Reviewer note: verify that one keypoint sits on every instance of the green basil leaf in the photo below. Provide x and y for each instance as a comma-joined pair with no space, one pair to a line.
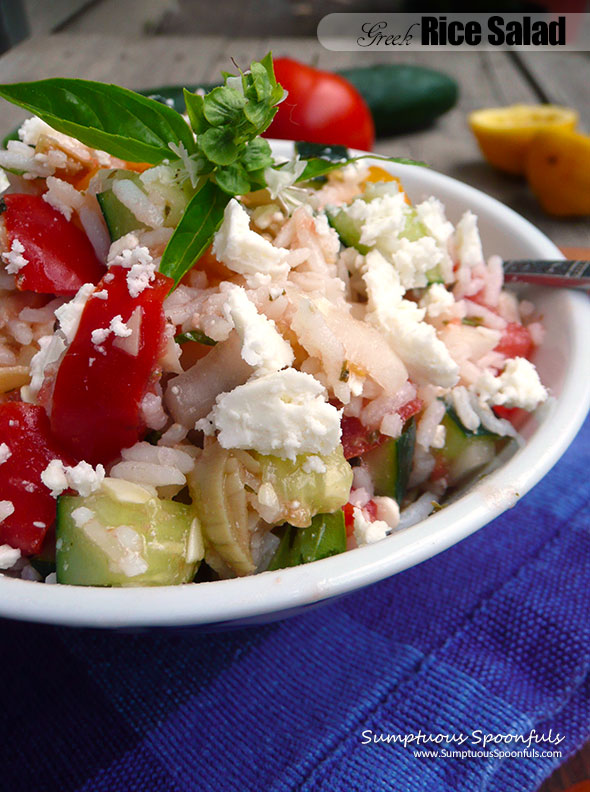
318,167
261,82
233,179
195,335
259,114
223,106
218,145
107,117
194,108
257,155
193,235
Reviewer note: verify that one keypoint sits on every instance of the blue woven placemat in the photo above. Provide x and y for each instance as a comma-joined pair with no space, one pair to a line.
491,637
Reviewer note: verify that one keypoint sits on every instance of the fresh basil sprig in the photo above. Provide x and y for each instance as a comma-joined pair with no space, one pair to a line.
105,117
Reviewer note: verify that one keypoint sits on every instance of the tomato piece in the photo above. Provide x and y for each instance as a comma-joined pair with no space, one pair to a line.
98,388
410,408
357,439
516,341
370,508
59,255
516,415
321,107
25,429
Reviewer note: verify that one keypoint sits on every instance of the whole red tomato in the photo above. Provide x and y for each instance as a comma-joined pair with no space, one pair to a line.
321,108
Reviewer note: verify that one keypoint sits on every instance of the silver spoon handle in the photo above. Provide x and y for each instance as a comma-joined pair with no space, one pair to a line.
559,273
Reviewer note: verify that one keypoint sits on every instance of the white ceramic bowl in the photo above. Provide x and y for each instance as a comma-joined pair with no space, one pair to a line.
564,365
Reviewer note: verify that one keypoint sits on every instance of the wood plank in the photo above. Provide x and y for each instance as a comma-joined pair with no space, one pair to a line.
564,77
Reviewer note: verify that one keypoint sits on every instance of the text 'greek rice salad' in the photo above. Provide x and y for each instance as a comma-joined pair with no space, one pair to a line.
213,363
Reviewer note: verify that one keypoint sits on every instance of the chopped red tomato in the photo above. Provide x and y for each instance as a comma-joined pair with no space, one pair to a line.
516,341
516,415
370,508
59,255
410,408
357,439
24,428
99,385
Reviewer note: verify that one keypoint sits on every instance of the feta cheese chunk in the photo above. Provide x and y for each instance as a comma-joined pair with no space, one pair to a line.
127,252
401,321
83,478
367,532
69,314
51,348
245,251
517,386
283,413
263,347
14,259
468,242
6,509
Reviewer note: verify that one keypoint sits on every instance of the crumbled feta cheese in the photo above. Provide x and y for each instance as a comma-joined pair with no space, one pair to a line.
8,556
401,321
39,524
69,314
83,478
101,295
314,464
14,258
63,197
367,531
517,386
283,413
32,129
127,252
117,326
6,509
438,302
263,347
382,218
5,453
245,251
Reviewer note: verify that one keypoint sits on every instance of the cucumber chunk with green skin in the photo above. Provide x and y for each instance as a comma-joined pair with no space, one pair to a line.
119,219
390,464
306,491
348,230
465,451
403,97
104,541
326,536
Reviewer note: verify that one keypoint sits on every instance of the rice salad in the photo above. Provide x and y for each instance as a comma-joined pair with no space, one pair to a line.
332,364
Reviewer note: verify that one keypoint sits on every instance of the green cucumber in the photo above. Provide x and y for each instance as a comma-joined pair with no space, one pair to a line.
347,229
126,537
119,219
326,536
390,464
465,451
403,97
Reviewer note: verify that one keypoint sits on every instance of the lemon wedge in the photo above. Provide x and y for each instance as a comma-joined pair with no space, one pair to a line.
558,171
504,134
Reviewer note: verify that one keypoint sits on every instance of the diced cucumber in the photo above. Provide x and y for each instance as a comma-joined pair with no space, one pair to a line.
119,219
465,451
326,536
390,464
108,539
307,491
348,230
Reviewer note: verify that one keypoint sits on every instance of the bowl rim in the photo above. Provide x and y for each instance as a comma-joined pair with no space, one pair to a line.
269,595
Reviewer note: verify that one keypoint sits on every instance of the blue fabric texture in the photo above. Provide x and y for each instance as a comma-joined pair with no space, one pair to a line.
492,637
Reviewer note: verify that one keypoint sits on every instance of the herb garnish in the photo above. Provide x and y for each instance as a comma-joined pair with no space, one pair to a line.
220,150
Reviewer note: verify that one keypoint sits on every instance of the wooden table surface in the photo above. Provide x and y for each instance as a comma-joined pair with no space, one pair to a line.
486,79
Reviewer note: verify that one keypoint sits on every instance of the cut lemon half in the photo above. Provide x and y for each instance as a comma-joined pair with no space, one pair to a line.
558,171
504,134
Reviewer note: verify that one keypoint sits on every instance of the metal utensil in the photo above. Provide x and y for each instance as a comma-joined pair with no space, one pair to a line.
559,273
